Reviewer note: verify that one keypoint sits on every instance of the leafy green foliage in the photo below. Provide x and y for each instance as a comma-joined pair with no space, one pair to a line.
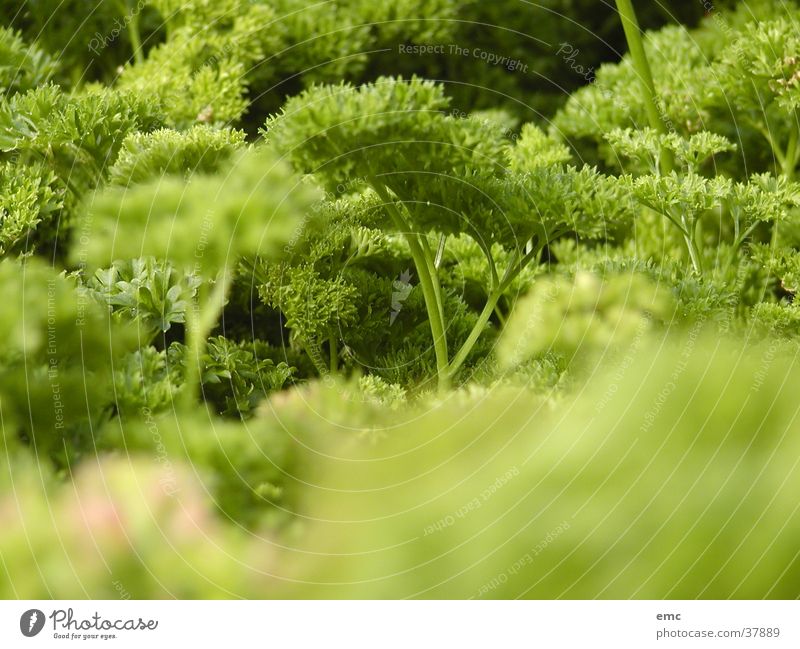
535,149
141,520
381,131
646,145
56,356
313,306
25,201
77,135
619,466
208,79
90,40
236,378
587,316
147,291
202,79
148,156
385,329
23,67
60,147
730,76
783,264
203,223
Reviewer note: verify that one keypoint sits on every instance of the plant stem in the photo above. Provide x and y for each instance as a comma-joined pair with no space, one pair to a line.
477,330
494,280
790,158
132,18
787,161
199,324
739,239
434,274
312,350
440,252
514,268
633,36
694,254
500,315
773,241
428,282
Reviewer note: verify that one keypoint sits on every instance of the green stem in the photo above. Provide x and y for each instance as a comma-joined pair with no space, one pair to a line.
477,330
312,350
665,213
738,240
633,35
199,324
493,279
790,158
694,255
514,268
690,237
773,242
428,282
500,315
437,262
132,18
430,260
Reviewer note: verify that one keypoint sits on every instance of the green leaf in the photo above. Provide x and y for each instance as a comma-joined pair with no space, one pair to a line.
203,224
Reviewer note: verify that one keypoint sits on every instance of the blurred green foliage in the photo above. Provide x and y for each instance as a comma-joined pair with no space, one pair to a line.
300,301
665,478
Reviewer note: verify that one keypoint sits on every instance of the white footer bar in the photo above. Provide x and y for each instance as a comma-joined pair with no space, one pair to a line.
406,624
